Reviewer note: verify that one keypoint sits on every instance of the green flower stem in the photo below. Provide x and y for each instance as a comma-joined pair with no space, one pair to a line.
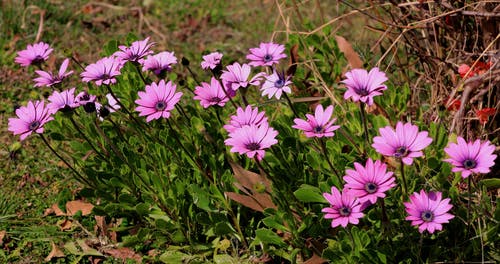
122,158
349,138
365,124
402,167
78,175
227,95
124,108
77,62
243,92
176,138
192,75
325,152
85,137
291,105
136,66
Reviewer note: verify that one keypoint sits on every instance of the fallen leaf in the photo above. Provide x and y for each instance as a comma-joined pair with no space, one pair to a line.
65,224
315,259
349,53
2,235
245,200
54,209
54,253
72,207
124,254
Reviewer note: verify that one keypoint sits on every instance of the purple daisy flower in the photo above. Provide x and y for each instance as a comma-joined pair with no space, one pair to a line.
157,100
211,94
238,75
369,182
159,63
319,125
252,140
275,84
33,54
48,79
405,143
344,208
136,52
470,157
64,101
428,211
266,54
249,116
103,71
211,60
30,118
363,86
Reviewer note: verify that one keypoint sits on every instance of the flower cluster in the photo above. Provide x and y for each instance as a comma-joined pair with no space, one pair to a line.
249,133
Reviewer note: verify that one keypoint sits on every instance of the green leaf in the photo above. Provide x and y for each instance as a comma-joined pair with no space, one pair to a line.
309,194
269,237
491,183
173,257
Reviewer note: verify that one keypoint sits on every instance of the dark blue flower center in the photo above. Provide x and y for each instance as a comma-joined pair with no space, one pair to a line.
268,58
345,211
319,129
427,216
370,187
469,164
252,146
215,99
104,76
38,59
279,83
160,106
363,91
85,97
34,125
401,152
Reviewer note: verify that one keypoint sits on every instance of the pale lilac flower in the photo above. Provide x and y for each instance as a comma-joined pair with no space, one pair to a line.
48,79
237,76
64,101
470,157
405,143
369,182
249,116
30,118
344,208
252,140
428,211
159,63
103,71
275,84
211,94
363,86
111,107
319,125
157,100
136,52
33,54
211,60
266,54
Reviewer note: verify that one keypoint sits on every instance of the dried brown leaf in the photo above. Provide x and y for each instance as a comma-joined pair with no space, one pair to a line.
124,254
247,178
315,259
2,235
294,58
54,253
245,200
72,207
54,209
65,224
351,55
